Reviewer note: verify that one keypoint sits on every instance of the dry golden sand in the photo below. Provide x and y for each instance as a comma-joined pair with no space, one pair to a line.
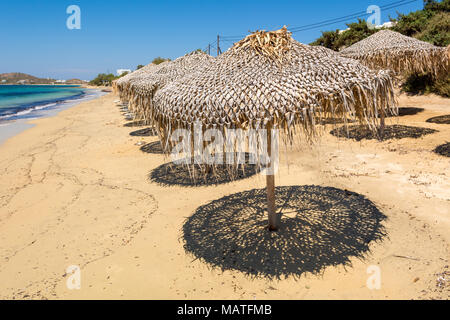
74,190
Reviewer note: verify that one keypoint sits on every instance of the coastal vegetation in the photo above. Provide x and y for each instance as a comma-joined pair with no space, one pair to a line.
339,39
103,79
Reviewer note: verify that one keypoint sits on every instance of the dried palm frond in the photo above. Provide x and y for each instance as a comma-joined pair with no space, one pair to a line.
387,49
273,44
122,85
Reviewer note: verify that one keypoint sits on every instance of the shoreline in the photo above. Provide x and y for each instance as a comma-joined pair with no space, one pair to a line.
44,109
76,191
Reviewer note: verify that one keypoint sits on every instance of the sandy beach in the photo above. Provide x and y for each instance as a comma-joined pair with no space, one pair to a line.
75,190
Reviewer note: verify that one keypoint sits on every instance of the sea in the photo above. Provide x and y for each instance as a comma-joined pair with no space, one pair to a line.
21,103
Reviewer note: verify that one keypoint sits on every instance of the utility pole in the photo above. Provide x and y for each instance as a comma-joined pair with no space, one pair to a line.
218,46
209,48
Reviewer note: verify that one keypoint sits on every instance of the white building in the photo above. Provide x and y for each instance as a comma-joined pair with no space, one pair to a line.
388,24
122,71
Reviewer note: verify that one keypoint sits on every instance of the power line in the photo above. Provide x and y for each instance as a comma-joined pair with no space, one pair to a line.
343,19
321,24
332,21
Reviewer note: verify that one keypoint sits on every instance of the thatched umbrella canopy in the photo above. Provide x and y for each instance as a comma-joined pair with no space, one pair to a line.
388,49
141,90
270,81
121,85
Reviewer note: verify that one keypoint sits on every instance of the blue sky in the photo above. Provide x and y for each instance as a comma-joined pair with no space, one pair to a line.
122,34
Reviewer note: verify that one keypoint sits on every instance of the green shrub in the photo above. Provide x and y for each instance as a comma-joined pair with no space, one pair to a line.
328,40
336,40
432,24
105,79
425,83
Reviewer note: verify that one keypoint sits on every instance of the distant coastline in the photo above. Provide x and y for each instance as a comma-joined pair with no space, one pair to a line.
19,78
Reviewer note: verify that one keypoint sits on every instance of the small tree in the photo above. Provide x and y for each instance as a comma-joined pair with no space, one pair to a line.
103,79
336,40
328,40
357,31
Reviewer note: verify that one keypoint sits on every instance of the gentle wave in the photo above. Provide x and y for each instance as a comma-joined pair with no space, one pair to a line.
27,111
18,112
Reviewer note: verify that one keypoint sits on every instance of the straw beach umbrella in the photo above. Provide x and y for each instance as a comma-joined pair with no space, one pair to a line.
142,89
270,81
122,85
388,49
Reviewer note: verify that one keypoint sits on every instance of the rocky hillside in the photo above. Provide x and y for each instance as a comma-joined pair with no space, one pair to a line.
17,77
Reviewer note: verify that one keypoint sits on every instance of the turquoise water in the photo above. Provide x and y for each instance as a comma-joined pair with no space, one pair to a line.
18,101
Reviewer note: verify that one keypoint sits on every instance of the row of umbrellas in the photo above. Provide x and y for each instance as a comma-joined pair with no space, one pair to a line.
268,80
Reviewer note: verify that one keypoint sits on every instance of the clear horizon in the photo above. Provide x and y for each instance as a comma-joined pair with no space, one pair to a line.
122,35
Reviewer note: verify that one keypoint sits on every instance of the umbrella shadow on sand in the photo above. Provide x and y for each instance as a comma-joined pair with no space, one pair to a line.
406,111
320,227
170,174
146,132
138,123
395,131
443,150
152,147
440,119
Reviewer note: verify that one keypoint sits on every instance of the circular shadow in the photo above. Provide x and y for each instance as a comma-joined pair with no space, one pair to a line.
153,147
443,150
406,111
193,175
440,120
395,131
403,111
320,227
147,132
140,123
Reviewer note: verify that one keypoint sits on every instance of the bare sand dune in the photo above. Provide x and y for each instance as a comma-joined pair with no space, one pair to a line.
75,190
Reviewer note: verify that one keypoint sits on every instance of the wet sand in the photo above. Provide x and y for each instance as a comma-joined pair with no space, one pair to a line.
75,190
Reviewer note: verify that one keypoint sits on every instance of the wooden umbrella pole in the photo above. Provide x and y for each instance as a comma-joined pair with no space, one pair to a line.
270,186
382,124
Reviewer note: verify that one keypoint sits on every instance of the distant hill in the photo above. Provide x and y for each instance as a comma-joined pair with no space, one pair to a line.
17,77
75,81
